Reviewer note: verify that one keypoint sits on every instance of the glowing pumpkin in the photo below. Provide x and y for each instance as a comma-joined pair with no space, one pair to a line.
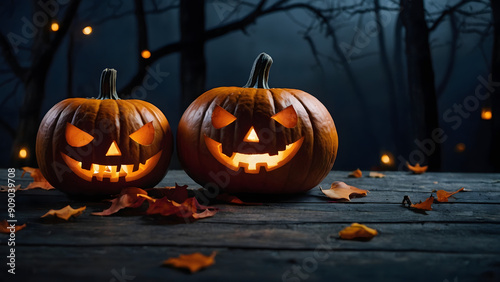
101,145
254,139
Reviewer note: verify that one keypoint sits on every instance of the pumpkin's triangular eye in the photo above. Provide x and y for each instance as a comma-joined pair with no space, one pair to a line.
144,135
287,117
221,117
77,137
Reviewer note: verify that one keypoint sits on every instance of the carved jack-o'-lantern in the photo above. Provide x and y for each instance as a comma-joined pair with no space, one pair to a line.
100,146
256,139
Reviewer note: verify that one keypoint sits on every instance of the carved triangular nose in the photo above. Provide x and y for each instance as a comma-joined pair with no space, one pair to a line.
251,136
113,150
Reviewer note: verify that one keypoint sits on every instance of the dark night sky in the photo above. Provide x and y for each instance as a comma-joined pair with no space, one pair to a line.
229,59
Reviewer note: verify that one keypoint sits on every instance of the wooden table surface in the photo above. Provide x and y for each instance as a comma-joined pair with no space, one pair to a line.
293,238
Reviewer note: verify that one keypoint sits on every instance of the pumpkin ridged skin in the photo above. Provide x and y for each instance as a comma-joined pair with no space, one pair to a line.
107,120
254,107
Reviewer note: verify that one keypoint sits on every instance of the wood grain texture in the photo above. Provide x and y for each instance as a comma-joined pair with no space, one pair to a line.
292,238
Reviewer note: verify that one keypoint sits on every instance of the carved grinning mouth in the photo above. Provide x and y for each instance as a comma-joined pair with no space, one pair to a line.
111,172
253,162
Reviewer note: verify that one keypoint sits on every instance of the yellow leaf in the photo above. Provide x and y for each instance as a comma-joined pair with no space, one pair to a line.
65,213
356,174
341,191
376,174
442,195
358,232
417,169
193,262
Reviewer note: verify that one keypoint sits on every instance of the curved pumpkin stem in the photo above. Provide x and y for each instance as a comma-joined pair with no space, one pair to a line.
260,72
108,85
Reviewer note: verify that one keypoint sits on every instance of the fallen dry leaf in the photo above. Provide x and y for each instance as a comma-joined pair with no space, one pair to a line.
175,193
226,198
442,195
373,174
190,208
38,180
16,188
65,213
341,191
417,169
4,227
358,232
356,173
128,198
193,262
425,205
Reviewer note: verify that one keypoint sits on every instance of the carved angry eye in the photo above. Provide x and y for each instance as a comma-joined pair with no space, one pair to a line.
287,117
144,135
221,117
77,137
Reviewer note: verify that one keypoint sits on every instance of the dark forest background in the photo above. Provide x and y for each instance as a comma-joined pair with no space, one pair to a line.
411,79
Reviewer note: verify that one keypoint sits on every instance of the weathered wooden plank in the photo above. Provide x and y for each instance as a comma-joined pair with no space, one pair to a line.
31,208
102,263
133,231
394,181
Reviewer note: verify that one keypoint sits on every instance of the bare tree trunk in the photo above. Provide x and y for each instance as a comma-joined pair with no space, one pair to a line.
33,78
390,83
421,81
193,65
401,89
495,95
451,56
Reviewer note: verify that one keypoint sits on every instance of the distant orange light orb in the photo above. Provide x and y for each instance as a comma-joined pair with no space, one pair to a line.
385,159
23,153
460,148
54,26
87,30
146,54
486,114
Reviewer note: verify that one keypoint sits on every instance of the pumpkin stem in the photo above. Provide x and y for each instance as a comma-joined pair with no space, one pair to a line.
260,72
108,85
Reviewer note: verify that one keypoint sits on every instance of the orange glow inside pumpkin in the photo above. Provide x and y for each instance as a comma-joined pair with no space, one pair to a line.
253,162
112,172
113,150
144,135
221,117
251,136
287,117
78,138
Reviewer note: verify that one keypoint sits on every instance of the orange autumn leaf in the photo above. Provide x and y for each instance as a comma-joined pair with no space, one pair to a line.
38,180
358,232
356,173
341,191
425,205
5,227
442,195
65,213
128,198
175,193
190,208
373,174
192,262
4,188
226,198
417,169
